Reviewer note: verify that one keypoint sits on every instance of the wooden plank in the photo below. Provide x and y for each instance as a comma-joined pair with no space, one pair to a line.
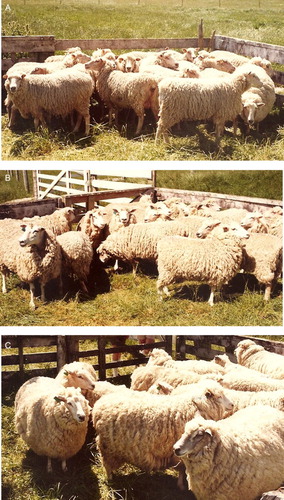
224,200
29,358
101,195
108,170
58,177
44,43
278,77
105,184
274,53
130,44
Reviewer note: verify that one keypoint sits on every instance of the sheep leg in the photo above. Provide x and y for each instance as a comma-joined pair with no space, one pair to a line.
42,292
84,287
32,292
161,131
87,124
49,465
162,289
267,292
211,298
140,124
78,123
64,466
4,288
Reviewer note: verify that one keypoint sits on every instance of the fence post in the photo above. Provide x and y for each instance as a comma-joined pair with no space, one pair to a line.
21,358
102,357
200,35
72,349
169,344
35,184
26,180
61,351
180,347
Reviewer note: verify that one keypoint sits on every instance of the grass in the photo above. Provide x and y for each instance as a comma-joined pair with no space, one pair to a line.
144,19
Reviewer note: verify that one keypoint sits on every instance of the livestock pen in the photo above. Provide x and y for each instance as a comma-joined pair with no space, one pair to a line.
111,144
23,473
119,299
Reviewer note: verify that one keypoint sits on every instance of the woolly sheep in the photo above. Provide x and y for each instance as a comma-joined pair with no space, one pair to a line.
164,59
139,241
58,222
254,356
145,377
35,255
254,381
160,357
258,222
92,224
61,57
77,255
120,90
51,419
214,261
58,93
242,399
236,458
122,423
218,100
102,388
77,374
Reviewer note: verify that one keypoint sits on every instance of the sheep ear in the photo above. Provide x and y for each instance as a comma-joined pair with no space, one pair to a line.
208,431
23,227
260,104
115,211
5,77
226,229
66,373
60,399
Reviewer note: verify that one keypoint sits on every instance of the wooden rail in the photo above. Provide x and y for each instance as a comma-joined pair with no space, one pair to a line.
67,349
37,48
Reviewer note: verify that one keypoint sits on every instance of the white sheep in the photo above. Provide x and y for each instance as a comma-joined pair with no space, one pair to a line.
160,357
139,241
122,423
34,255
145,377
254,381
78,374
58,93
51,419
121,90
59,222
237,458
163,58
214,261
242,399
92,224
102,388
217,100
254,356
77,255
258,101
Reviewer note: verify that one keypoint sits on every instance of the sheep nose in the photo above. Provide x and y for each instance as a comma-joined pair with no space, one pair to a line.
92,386
176,65
81,418
177,450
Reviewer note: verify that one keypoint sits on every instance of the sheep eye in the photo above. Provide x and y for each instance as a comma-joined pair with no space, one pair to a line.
208,394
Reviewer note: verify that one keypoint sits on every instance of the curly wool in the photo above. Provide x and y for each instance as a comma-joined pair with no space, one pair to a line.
214,261
122,423
58,93
46,425
242,399
59,221
218,100
242,458
144,377
77,253
255,356
161,358
255,381
139,241
77,374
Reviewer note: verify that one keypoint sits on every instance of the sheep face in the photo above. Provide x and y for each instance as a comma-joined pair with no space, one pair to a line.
211,401
13,82
33,235
123,215
98,220
104,255
73,404
80,378
250,110
195,439
166,59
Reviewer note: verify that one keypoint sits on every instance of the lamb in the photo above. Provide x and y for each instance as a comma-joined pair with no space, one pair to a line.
77,255
121,91
145,377
218,100
214,261
139,241
254,356
58,222
58,93
51,419
237,458
35,255
121,423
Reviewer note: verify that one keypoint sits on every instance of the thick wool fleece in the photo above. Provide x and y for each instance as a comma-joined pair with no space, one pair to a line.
46,425
142,430
243,457
214,261
255,356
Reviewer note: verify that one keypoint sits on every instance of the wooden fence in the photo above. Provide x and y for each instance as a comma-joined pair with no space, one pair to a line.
37,48
17,366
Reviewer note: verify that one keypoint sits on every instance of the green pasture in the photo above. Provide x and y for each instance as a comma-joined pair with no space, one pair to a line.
262,21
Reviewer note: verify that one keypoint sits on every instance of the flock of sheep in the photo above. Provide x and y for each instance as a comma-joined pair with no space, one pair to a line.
187,242
215,86
221,424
